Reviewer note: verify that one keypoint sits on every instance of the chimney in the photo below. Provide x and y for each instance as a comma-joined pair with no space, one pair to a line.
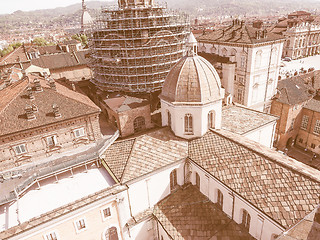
29,113
52,84
257,24
24,74
56,110
37,85
7,80
30,93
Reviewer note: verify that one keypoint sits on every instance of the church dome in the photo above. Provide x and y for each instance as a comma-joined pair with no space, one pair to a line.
192,80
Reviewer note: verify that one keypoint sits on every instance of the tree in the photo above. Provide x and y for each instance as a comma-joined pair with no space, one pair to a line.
39,41
10,48
81,38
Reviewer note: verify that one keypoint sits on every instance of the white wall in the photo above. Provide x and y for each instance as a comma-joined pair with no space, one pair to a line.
199,115
263,135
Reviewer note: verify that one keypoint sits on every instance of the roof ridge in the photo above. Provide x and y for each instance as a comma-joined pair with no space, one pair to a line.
125,170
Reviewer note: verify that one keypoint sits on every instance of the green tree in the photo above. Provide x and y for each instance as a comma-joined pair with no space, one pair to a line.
81,38
10,48
39,41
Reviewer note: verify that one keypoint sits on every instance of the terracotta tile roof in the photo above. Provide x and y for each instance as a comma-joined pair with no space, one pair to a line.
313,105
14,100
49,50
294,90
61,60
188,214
149,152
283,188
117,156
282,193
238,33
242,120
18,53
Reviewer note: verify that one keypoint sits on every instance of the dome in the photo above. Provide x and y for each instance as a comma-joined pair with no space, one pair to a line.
192,80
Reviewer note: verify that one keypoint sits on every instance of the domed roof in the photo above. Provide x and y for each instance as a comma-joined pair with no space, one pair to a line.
193,79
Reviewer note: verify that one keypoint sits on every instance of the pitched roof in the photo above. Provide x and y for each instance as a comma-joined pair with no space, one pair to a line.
12,57
145,154
281,192
14,100
238,33
242,120
283,188
294,90
61,60
188,214
314,105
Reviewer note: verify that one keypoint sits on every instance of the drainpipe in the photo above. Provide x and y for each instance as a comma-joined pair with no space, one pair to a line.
309,130
266,91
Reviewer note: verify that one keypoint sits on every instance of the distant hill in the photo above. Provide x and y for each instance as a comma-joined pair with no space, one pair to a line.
70,15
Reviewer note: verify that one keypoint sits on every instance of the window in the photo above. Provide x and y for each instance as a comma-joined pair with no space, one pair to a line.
317,127
51,141
80,225
211,119
220,199
169,119
304,122
173,179
197,180
313,145
243,62
20,149
292,124
106,213
241,81
188,129
51,236
240,96
139,124
300,140
111,234
246,218
79,132
258,59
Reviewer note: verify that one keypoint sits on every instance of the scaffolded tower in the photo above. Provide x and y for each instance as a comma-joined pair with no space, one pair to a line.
135,46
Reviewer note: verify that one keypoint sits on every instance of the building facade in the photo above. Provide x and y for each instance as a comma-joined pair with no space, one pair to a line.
251,62
40,117
302,33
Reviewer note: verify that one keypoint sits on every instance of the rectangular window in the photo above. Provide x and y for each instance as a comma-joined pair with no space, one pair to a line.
240,96
80,225
20,149
300,140
106,213
242,81
304,122
52,141
243,62
317,127
313,145
51,236
79,132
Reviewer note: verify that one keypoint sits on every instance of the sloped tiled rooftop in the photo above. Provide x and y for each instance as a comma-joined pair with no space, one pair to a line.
188,214
242,120
283,188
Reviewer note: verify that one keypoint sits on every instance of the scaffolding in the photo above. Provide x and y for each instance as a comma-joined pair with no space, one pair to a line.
135,45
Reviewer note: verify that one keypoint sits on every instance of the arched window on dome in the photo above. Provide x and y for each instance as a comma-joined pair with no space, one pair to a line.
111,234
224,52
211,119
169,119
188,124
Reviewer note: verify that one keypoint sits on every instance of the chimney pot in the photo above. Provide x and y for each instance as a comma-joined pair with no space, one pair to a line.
30,113
37,85
52,84
30,93
56,111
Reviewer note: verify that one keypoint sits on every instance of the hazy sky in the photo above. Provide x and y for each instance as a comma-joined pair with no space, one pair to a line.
9,6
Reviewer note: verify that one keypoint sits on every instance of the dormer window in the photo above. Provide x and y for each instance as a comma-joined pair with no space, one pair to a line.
188,124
